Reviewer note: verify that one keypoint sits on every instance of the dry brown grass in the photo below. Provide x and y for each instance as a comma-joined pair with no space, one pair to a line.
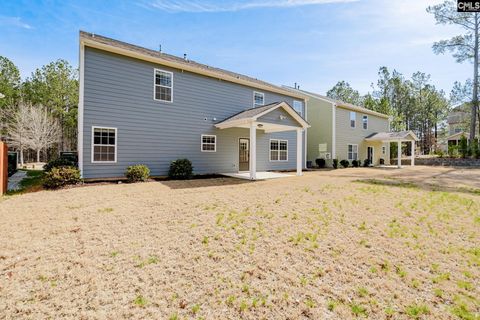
322,246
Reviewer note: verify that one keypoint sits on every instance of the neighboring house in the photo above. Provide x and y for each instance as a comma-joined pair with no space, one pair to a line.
344,131
140,106
458,124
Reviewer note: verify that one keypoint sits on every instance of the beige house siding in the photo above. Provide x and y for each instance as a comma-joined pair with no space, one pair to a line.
319,115
346,135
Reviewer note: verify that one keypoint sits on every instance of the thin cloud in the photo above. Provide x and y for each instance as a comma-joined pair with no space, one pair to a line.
229,6
14,22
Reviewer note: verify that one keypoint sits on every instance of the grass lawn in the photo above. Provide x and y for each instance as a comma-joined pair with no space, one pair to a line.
344,244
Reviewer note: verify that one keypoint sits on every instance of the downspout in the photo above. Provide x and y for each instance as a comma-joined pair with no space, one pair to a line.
334,131
81,88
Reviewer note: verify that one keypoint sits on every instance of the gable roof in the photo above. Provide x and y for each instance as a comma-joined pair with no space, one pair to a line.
119,47
392,136
340,104
254,113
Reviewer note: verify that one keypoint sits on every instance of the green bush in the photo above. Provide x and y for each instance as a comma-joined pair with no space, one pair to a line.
138,172
180,169
366,163
60,177
57,163
356,163
463,147
345,163
453,151
335,163
474,149
320,162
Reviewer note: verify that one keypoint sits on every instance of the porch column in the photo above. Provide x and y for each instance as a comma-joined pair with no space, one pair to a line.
399,153
253,151
299,151
412,159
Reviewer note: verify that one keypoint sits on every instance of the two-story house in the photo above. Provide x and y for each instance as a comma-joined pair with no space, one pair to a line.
345,131
141,106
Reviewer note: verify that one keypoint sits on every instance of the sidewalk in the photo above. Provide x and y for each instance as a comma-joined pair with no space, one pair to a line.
14,181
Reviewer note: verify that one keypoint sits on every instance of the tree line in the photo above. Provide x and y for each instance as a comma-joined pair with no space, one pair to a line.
39,113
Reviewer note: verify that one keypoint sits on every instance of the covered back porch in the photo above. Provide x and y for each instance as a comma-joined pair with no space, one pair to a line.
272,118
399,138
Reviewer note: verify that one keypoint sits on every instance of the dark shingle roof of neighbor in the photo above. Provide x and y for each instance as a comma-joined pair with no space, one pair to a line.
168,57
249,113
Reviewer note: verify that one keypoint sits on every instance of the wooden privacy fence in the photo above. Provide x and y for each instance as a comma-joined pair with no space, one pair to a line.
3,167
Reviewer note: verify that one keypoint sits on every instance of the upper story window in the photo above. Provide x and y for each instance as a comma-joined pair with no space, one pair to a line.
209,143
298,106
104,145
353,119
258,99
365,122
458,130
163,85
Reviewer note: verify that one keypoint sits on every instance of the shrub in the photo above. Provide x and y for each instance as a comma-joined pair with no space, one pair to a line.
356,163
57,163
474,149
453,151
138,172
320,162
463,147
366,163
60,177
345,163
180,169
382,161
335,163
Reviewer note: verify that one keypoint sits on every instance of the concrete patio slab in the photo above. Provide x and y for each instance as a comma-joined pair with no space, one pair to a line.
263,175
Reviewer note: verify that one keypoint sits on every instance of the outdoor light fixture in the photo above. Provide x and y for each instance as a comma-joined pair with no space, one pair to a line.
260,125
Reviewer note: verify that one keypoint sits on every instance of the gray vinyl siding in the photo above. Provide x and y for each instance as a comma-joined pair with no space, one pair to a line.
278,116
119,93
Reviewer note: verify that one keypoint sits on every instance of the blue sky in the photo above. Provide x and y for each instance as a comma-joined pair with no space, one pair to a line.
312,42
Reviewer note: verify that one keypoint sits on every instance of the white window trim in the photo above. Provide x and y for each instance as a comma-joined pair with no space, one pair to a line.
155,85
270,150
201,142
348,156
93,145
350,120
301,111
260,93
363,122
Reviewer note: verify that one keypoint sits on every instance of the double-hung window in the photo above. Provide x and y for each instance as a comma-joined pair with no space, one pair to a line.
298,106
353,119
278,150
353,152
258,99
104,145
163,85
365,122
209,143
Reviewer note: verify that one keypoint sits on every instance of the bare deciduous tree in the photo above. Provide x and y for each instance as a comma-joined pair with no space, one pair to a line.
43,130
31,127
